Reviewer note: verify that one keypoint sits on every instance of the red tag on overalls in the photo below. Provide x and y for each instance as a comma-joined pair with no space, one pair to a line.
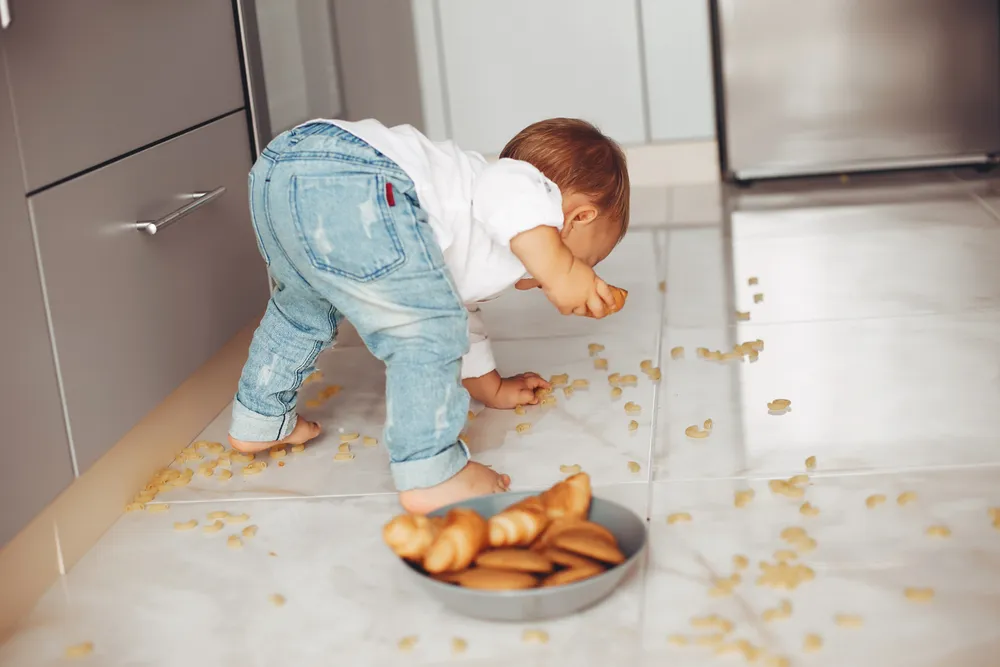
389,197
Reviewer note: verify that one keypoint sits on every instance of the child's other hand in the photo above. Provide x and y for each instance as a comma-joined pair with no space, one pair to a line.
518,390
580,292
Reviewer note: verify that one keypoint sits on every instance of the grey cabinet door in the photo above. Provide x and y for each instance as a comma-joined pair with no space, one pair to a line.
134,315
36,457
94,79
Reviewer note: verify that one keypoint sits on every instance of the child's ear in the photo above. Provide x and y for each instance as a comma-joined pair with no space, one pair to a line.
581,215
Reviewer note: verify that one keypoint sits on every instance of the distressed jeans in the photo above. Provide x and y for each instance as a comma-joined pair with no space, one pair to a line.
343,235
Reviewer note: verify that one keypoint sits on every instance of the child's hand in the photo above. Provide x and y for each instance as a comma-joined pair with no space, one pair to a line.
580,292
518,390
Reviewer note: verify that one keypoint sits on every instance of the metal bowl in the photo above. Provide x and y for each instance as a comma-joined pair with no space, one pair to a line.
535,604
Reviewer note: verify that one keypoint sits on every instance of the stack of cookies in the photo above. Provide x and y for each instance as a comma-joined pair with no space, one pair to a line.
543,540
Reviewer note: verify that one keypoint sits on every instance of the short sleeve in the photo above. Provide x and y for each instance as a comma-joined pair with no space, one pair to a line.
511,197
478,361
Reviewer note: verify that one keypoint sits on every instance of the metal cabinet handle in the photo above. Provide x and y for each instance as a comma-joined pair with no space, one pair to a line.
199,199
5,17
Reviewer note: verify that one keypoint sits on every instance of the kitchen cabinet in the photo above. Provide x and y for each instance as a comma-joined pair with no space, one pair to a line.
134,314
93,80
677,37
509,64
34,447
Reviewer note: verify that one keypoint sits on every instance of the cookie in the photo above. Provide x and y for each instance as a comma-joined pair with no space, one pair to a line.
572,575
585,544
559,526
488,579
566,558
515,560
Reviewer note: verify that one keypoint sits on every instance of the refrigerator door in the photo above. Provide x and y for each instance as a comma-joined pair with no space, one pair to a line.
849,85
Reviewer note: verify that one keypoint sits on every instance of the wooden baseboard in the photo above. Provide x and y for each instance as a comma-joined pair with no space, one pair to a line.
65,530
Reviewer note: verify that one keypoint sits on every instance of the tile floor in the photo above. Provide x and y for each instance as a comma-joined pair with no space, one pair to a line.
881,322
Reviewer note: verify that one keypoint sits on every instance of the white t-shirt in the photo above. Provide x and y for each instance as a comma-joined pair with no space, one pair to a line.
474,209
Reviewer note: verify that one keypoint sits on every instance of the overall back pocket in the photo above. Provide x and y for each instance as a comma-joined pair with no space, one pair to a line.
346,225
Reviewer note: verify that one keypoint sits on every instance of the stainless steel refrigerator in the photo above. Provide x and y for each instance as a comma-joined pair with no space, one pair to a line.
837,86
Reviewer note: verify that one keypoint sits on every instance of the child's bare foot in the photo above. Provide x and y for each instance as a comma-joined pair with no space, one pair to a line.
473,480
303,432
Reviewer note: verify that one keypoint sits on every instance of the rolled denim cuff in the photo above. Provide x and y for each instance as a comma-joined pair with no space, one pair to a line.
250,426
424,473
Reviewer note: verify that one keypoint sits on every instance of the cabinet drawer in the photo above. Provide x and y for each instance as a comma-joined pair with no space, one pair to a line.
96,79
132,314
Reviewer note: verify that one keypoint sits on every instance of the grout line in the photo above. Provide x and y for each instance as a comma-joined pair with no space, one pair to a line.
968,187
837,320
647,115
443,71
660,254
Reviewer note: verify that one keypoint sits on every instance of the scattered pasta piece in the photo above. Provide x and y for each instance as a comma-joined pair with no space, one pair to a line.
919,594
79,650
535,637
849,620
213,527
549,400
135,507
185,525
743,315
281,464
234,542
218,514
595,348
276,599
785,555
580,383
632,408
250,531
523,428
654,374
679,517
158,508
905,498
616,392
752,281
811,463
743,498
939,531
348,437
298,449
808,509
646,364
695,432
369,441
812,642
633,466
758,298
782,487
741,562
569,469
677,353
458,645
779,404
254,468
343,456
601,364
241,457
568,391
519,410
278,453
406,644
662,286
708,425
559,380
678,640
784,575
344,447
874,500
778,661
710,640
615,379
712,621
752,355
224,474
237,518
633,425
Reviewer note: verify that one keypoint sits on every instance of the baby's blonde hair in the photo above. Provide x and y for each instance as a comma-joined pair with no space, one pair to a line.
577,157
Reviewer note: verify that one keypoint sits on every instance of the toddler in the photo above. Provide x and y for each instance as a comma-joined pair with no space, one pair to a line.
404,237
